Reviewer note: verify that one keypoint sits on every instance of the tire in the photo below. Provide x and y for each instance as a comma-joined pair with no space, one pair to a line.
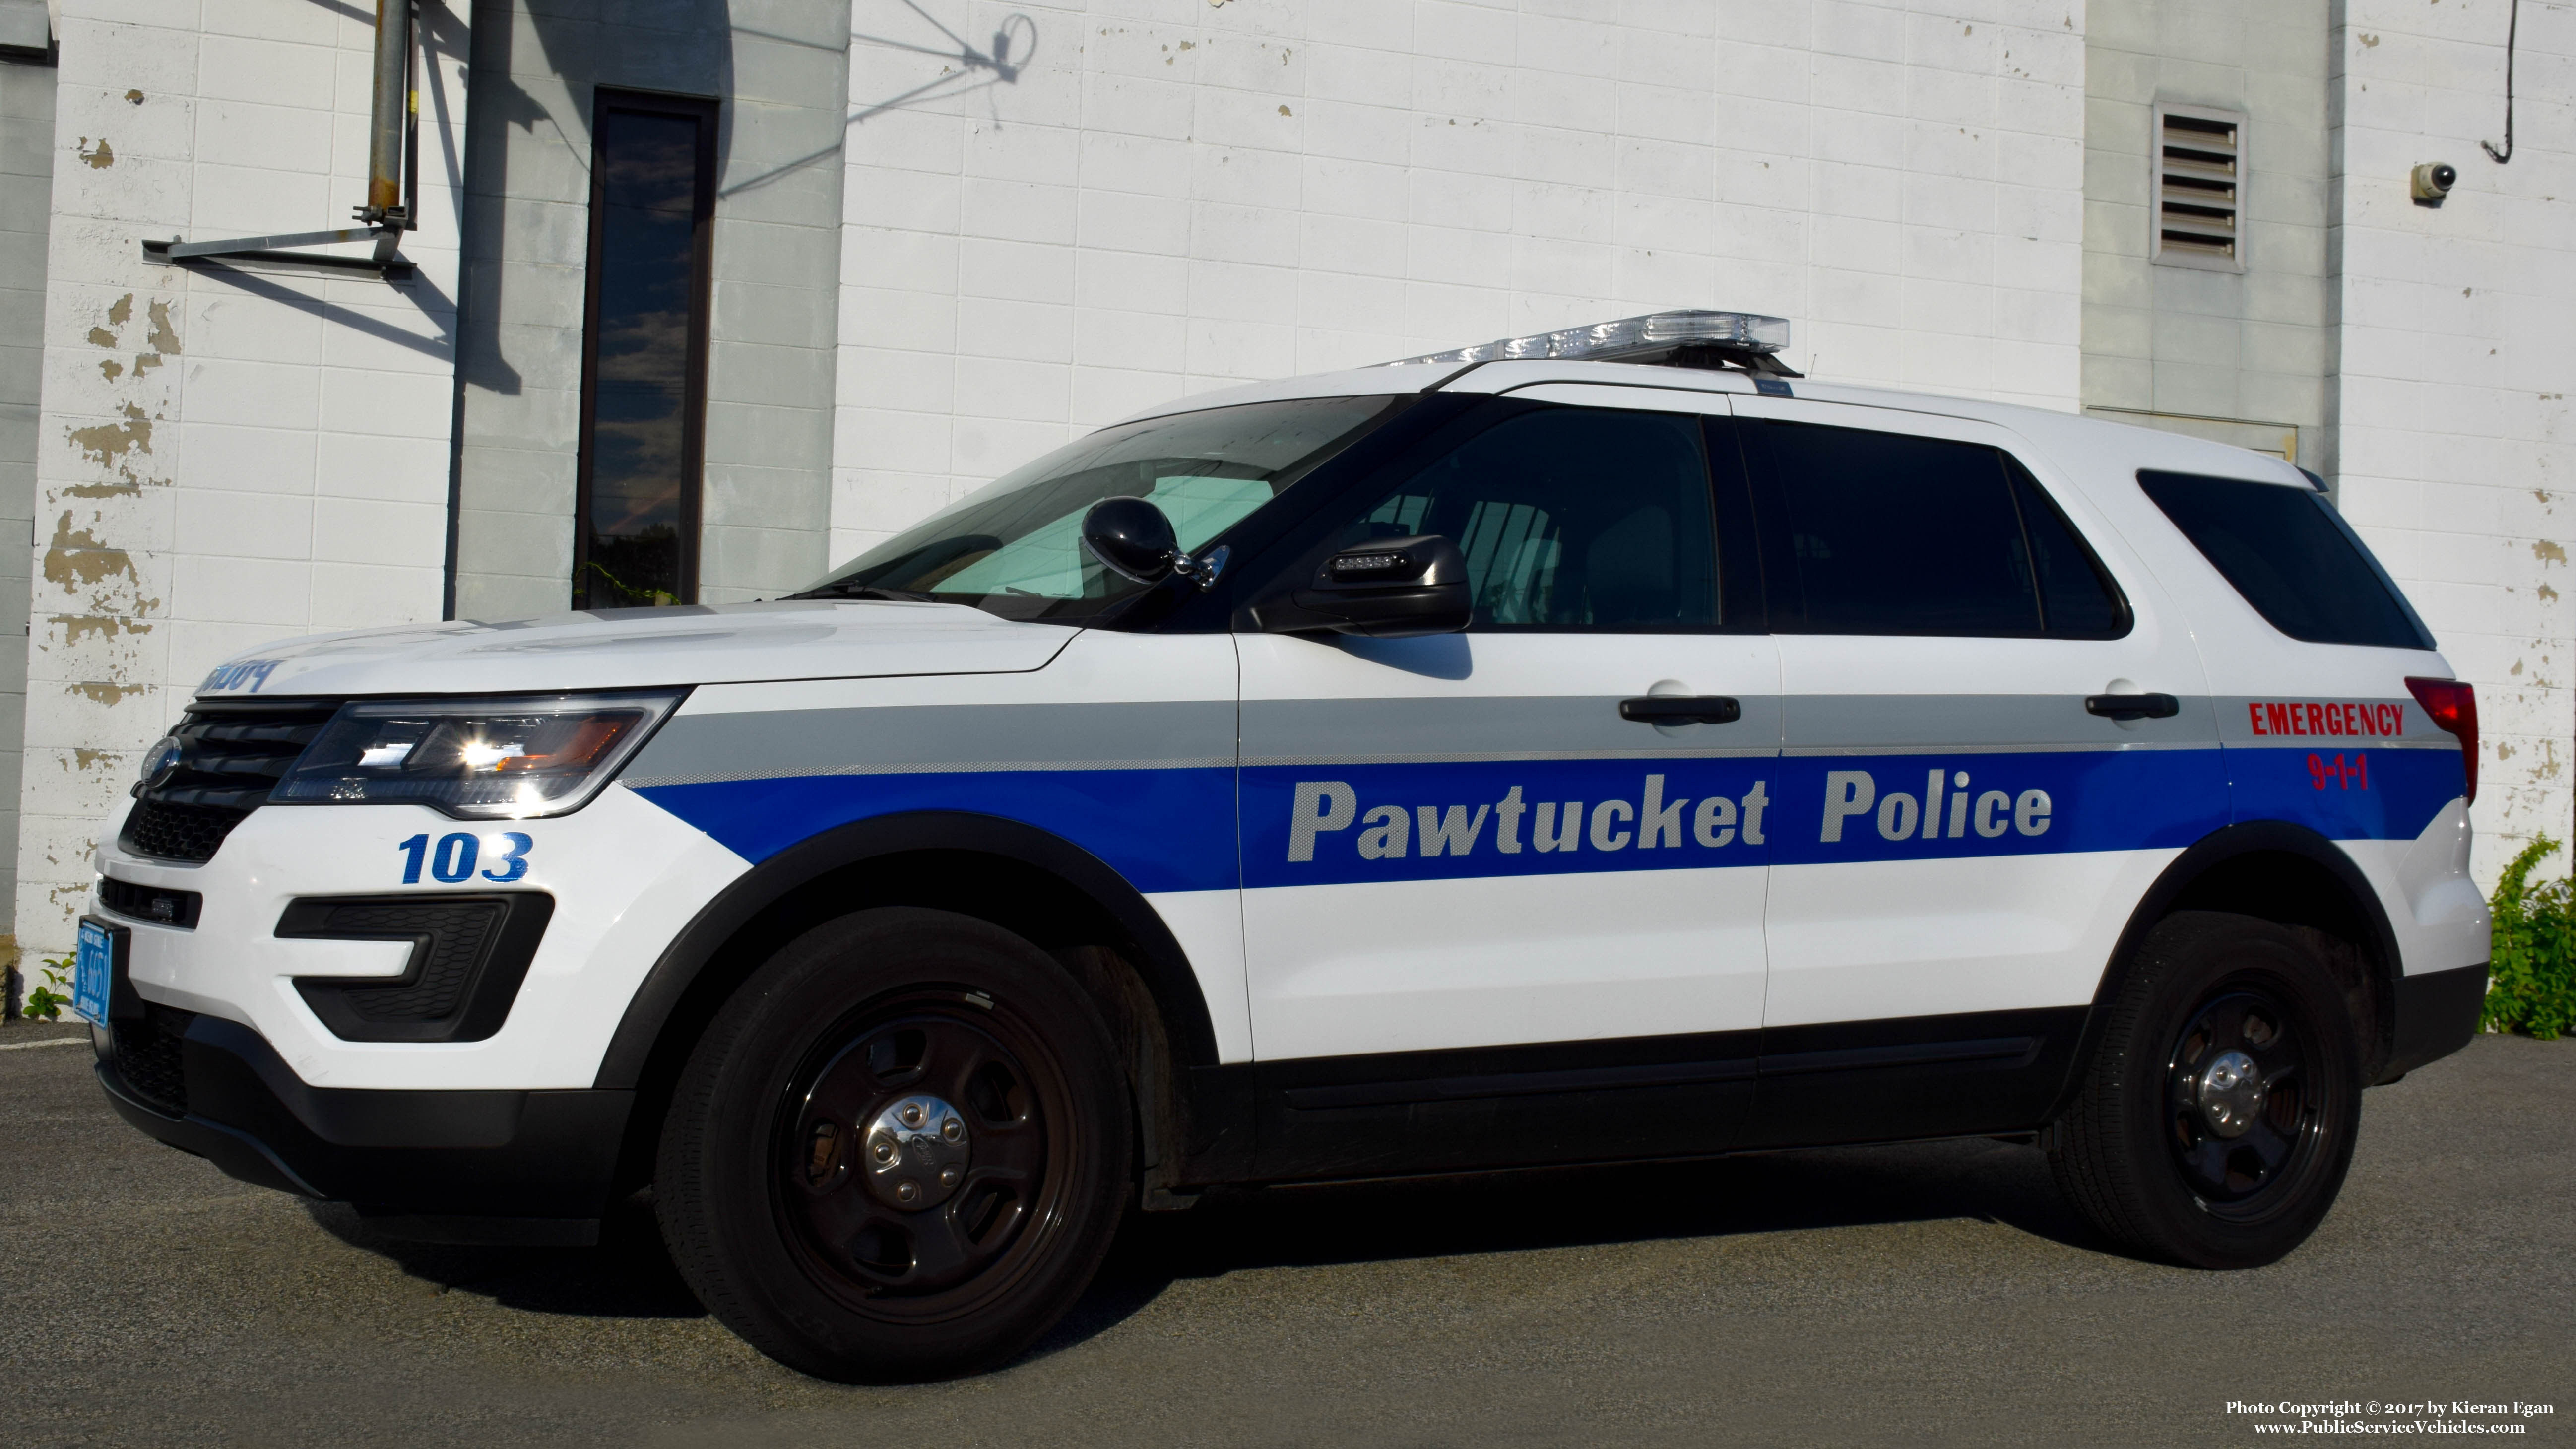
899,1152
2217,1117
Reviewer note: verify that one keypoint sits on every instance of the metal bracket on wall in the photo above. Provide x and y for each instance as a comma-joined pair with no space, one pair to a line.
279,250
393,179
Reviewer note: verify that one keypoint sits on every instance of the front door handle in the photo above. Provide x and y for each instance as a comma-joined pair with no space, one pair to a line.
1673,709
2133,706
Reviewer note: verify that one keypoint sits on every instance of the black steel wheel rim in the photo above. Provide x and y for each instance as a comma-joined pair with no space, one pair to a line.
955,1243
2246,1102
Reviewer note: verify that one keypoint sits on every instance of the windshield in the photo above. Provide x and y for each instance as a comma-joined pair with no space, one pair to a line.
1014,547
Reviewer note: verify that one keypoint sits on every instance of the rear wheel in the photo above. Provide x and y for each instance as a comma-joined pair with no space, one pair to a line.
899,1152
2218,1115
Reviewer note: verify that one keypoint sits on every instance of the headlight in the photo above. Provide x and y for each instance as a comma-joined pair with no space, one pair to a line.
474,758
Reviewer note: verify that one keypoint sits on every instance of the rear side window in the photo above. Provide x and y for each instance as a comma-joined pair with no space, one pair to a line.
1889,533
2292,557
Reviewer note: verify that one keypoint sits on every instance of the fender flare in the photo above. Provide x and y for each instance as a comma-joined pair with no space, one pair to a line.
1165,967
2230,842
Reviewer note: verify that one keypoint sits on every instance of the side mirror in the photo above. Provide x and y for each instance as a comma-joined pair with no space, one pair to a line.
1133,538
1389,589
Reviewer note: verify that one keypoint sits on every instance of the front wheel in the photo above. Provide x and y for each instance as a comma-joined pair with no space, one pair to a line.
899,1152
2218,1115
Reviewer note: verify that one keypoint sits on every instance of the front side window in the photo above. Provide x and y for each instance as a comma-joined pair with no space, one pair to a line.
1014,547
1570,518
1889,533
2292,557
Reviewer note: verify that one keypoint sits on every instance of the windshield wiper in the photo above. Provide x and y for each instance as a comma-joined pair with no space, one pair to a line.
865,591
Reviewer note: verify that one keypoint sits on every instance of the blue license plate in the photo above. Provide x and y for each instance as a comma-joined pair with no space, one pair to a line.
93,967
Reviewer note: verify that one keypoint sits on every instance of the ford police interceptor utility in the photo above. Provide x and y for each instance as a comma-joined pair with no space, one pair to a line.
1592,746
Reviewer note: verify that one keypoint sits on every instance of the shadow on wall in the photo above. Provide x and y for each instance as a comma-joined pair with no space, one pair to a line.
684,47
681,47
440,36
966,70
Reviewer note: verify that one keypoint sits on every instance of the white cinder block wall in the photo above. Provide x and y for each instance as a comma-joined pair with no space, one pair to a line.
1060,213
223,458
2458,331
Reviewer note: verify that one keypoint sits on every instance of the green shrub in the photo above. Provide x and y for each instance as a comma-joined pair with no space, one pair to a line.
2531,982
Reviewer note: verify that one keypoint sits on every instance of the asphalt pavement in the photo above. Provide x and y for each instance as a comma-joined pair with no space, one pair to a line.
1927,1294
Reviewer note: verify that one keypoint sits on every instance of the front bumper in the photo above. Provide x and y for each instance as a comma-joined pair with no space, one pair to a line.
453,1166
623,875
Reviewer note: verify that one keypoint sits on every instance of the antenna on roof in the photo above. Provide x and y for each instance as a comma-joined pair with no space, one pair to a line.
1747,340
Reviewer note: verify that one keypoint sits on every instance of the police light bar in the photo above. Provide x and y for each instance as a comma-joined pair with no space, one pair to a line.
1636,339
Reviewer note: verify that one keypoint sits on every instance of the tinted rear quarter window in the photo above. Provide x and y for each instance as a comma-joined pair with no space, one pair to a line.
1893,533
2292,557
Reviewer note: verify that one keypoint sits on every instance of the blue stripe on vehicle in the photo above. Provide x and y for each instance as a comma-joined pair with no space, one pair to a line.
2347,794
1321,824
1164,830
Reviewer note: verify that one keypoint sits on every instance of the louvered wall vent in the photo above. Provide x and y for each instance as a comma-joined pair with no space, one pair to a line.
2200,188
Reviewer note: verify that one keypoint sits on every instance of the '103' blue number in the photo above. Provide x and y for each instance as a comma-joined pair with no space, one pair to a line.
454,857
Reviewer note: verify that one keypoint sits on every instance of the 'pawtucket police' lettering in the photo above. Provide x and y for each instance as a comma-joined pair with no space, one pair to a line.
1323,812
1322,808
1904,817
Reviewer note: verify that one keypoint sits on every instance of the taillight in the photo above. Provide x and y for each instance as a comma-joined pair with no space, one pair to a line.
2453,704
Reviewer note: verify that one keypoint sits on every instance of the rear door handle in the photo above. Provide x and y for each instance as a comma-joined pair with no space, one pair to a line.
2133,706
1664,709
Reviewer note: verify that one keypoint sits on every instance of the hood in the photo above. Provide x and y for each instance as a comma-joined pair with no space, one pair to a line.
637,648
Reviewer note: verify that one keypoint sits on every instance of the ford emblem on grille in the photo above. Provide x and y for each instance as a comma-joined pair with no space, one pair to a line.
161,762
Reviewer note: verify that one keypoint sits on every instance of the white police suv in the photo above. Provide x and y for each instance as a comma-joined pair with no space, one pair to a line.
1591,746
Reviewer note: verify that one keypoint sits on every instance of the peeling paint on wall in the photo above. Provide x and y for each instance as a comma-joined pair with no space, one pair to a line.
108,443
77,557
102,627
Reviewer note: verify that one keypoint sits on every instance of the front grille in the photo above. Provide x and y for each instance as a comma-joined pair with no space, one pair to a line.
231,754
147,1056
160,906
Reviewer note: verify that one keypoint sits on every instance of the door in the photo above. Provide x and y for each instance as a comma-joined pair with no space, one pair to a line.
1961,837
1478,870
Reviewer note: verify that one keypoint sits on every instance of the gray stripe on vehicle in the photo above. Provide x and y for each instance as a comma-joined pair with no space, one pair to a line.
931,739
924,739
1894,723
2097,747
1505,757
1519,727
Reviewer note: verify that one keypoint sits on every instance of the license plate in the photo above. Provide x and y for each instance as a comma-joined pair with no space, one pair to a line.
93,968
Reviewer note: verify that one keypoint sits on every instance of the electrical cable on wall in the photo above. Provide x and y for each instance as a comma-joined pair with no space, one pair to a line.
2512,24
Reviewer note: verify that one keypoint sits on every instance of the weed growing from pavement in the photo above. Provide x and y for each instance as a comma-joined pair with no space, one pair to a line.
45,1003
2531,982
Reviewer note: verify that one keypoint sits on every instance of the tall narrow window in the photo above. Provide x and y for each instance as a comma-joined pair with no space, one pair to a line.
644,351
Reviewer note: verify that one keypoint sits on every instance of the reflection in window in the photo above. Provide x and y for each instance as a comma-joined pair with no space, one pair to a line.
1571,519
644,376
1015,546
1892,533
